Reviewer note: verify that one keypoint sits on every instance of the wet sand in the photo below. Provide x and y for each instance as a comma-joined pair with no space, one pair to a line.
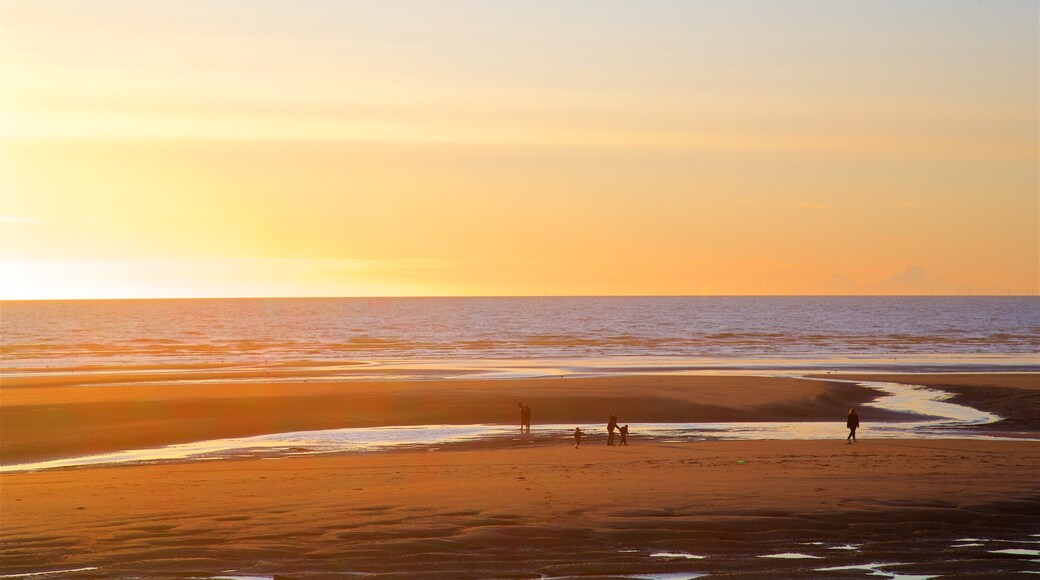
536,507
550,509
50,417
1015,397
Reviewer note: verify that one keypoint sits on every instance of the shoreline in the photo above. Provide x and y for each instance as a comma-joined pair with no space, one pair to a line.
942,420
544,367
50,418
66,415
1014,397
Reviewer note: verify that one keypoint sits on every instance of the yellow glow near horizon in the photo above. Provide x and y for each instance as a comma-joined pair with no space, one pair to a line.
321,149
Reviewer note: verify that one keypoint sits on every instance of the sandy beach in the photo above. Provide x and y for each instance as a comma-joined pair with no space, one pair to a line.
329,290
528,510
1013,396
57,416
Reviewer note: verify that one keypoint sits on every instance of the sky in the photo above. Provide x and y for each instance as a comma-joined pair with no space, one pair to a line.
193,148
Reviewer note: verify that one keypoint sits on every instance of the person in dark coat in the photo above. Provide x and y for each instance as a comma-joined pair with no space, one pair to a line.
611,425
852,423
577,437
624,436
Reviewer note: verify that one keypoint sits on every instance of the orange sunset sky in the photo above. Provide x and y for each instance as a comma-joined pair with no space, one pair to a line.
327,148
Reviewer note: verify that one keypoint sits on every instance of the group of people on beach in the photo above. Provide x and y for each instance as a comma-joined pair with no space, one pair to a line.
612,424
622,431
525,419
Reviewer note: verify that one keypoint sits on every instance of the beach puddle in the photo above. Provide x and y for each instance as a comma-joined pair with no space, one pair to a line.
667,576
1016,552
283,444
677,555
48,572
647,576
877,569
791,556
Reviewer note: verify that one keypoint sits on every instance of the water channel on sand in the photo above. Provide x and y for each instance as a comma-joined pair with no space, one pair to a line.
934,418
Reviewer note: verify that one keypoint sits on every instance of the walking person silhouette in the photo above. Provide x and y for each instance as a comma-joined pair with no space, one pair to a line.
852,423
611,425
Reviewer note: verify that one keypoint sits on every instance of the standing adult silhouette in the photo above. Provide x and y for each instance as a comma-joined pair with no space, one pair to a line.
852,423
611,425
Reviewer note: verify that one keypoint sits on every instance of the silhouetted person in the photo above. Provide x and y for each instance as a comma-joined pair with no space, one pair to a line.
523,416
527,418
624,435
577,437
611,425
852,423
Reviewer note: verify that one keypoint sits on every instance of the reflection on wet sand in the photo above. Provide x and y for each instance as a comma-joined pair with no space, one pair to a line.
939,419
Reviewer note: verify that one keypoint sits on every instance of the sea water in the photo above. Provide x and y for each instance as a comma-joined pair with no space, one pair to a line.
711,332
413,338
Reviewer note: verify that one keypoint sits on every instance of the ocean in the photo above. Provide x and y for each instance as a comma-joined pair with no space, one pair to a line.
695,331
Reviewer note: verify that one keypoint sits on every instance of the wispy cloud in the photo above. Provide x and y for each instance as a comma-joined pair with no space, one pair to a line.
339,264
914,280
241,264
12,219
232,277
809,205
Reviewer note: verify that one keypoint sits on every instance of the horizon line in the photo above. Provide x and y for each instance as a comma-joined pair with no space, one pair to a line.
447,296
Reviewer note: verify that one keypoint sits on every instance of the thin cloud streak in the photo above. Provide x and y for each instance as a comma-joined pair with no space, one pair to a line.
809,205
351,265
11,219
